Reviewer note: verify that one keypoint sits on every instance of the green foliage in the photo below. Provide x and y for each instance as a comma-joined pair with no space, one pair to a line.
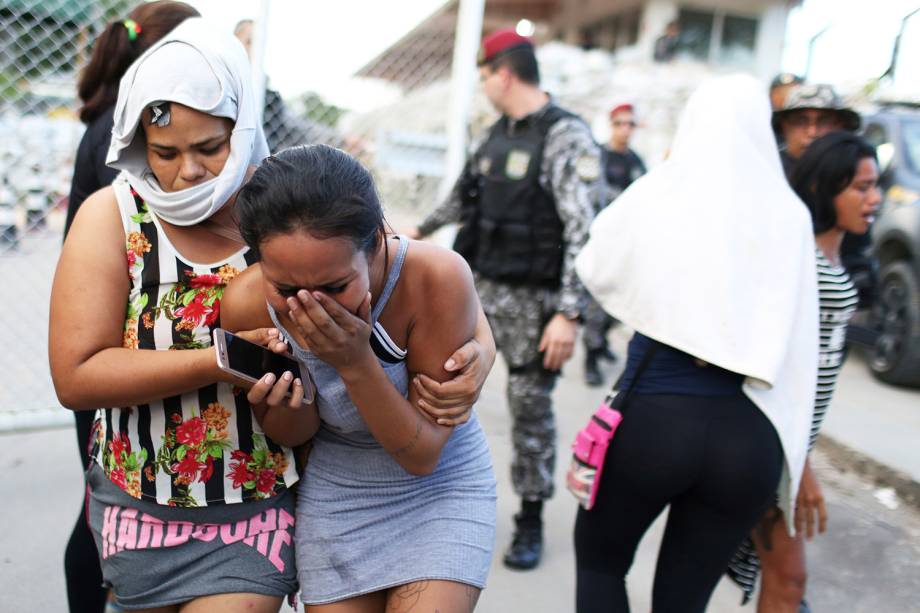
318,110
143,217
9,89
43,37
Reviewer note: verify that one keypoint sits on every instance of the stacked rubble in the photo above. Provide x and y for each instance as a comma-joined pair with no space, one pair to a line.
587,82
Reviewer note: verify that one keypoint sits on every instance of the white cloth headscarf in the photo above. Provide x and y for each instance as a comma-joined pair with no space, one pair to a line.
713,253
198,66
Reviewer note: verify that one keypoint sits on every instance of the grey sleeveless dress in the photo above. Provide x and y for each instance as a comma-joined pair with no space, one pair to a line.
363,523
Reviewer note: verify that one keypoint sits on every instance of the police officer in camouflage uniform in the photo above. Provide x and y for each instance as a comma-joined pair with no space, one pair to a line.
524,201
621,166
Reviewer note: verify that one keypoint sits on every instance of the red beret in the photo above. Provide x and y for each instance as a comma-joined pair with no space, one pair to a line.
499,42
621,107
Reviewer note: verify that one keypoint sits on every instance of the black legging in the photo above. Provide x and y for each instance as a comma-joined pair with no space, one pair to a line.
85,593
715,460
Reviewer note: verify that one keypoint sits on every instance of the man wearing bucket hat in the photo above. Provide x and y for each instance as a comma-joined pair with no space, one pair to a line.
525,200
780,87
810,112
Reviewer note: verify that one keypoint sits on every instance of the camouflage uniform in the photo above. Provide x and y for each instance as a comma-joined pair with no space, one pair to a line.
620,171
597,324
518,313
596,320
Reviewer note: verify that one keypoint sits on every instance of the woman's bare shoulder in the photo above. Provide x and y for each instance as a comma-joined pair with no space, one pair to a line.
97,222
247,284
243,304
101,205
435,266
442,302
439,280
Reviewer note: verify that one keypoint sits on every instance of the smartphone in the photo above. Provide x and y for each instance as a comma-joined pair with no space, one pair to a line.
251,362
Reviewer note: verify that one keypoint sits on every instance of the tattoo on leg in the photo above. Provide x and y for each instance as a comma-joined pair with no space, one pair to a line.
765,527
413,597
472,596
405,597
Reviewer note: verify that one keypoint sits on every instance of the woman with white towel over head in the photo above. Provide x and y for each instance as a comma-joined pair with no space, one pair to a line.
710,259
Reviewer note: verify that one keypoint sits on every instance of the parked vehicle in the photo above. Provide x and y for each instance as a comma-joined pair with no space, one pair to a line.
891,327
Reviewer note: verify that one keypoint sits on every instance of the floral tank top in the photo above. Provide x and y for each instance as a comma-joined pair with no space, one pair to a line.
203,447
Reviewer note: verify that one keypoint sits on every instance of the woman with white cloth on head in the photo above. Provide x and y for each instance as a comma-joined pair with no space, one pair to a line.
190,502
710,259
142,272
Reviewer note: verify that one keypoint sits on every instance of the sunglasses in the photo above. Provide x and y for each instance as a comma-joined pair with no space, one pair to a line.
619,123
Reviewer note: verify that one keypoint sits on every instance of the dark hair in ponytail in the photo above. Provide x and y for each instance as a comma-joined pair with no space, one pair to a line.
316,188
114,51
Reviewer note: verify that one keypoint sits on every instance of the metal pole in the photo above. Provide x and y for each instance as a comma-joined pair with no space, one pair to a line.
811,50
463,80
259,39
896,50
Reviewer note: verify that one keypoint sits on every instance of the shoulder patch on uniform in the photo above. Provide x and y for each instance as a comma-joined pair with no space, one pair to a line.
588,167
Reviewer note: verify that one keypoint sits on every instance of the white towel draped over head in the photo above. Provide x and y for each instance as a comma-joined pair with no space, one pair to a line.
713,253
200,67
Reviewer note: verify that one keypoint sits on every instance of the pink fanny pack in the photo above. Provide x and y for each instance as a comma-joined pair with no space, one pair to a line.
589,450
588,453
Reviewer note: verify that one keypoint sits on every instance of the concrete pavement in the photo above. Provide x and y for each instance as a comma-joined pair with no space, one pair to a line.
868,562
878,420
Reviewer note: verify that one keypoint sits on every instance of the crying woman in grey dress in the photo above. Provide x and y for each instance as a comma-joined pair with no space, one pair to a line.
392,507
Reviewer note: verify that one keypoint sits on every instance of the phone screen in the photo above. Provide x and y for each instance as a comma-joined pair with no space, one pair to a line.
253,360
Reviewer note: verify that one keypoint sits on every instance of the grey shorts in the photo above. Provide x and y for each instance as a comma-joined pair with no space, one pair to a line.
153,555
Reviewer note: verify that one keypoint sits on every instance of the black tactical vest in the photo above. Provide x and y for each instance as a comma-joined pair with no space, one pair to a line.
510,229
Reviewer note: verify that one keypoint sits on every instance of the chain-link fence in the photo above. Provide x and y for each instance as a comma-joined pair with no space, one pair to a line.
403,138
401,135
43,46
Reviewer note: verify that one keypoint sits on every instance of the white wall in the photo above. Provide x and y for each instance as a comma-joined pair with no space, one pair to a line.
771,34
657,13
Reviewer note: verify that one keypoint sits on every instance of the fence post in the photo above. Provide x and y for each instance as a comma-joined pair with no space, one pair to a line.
463,80
259,38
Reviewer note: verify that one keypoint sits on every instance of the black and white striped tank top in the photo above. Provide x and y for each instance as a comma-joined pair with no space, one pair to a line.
203,447
837,300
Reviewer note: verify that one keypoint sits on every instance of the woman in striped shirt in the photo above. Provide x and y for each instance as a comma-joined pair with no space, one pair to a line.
837,178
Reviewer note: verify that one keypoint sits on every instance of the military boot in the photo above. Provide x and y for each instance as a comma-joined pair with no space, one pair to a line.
527,543
608,355
593,376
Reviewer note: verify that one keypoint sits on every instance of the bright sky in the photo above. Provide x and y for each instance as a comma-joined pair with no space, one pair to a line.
318,44
858,44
